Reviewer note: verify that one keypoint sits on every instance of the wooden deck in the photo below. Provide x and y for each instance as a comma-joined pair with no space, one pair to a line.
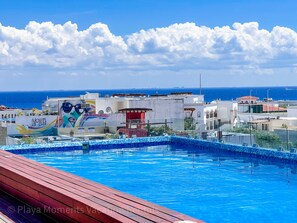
5,219
14,210
69,198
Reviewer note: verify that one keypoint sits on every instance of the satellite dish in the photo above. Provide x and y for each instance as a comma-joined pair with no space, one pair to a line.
108,110
101,112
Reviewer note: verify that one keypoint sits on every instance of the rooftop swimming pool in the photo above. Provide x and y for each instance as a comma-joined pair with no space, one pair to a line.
211,185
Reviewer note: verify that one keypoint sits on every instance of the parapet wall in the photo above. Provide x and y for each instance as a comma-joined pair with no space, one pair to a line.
151,141
262,153
92,144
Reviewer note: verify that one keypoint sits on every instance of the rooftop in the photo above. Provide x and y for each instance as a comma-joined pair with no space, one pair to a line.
248,98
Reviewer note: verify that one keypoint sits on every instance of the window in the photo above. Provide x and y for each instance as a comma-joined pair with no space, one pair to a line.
81,130
265,127
188,114
211,126
85,105
211,114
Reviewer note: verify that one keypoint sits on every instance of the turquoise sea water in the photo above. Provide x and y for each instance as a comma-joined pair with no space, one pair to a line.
214,187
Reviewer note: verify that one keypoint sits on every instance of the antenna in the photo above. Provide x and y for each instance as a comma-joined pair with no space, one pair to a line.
200,85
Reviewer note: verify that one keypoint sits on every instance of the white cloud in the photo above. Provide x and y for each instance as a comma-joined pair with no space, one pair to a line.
179,46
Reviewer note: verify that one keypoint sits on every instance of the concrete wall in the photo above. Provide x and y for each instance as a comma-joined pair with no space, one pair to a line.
170,109
3,135
190,99
114,104
200,116
246,117
86,131
9,115
282,133
240,139
227,111
292,111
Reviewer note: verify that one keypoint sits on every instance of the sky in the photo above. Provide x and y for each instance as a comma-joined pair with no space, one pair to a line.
116,44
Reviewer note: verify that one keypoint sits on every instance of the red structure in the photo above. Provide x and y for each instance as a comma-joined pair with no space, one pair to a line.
247,100
135,121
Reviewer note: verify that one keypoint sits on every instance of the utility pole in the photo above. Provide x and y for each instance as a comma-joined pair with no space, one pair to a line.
268,102
200,86
250,123
250,106
287,137
250,127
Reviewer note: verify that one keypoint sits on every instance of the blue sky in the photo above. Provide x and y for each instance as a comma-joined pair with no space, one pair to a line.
99,44
125,17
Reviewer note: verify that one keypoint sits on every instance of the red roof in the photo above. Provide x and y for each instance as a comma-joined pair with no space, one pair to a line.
2,108
248,98
271,108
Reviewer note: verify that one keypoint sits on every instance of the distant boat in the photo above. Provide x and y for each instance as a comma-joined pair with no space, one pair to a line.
267,99
290,89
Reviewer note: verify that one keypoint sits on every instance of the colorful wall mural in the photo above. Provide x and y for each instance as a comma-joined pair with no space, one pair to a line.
79,113
34,125
72,113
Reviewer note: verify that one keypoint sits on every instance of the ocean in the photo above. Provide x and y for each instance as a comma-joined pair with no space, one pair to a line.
34,99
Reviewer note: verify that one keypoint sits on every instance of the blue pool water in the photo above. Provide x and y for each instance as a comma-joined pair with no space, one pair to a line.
211,186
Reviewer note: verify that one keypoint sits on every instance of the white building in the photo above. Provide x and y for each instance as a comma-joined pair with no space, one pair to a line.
172,108
292,111
169,109
227,113
9,115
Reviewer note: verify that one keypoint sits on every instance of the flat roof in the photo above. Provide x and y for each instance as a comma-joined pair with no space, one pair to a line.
129,95
125,110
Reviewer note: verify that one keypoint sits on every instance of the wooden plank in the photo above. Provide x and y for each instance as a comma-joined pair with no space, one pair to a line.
5,219
33,202
64,196
58,193
21,211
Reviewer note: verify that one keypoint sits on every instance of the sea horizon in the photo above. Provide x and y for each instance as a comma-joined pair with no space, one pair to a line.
34,99
148,88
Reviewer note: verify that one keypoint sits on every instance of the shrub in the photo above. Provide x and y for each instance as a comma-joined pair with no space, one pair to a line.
189,123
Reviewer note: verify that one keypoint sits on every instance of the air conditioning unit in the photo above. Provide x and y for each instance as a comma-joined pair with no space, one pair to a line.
108,110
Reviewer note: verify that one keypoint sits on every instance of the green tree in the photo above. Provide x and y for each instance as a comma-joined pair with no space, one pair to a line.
264,139
267,139
27,140
244,130
159,130
189,123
